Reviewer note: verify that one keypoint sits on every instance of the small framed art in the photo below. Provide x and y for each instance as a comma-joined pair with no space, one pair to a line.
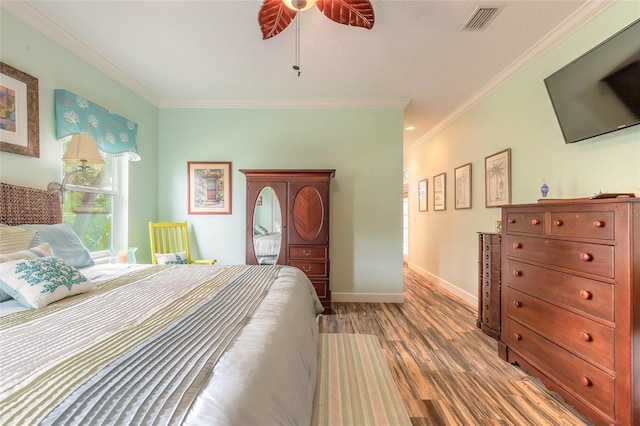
19,109
422,196
209,187
497,178
439,192
462,181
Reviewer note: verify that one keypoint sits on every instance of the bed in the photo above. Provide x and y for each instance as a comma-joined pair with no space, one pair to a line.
156,344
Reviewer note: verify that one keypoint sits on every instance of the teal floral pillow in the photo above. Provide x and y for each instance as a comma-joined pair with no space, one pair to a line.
43,250
172,258
35,283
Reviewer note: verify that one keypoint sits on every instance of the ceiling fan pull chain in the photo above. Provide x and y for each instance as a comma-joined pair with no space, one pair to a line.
297,65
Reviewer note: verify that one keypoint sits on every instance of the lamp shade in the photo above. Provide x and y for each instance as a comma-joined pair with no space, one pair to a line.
82,149
299,5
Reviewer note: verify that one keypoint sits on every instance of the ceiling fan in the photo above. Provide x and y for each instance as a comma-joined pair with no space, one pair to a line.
276,15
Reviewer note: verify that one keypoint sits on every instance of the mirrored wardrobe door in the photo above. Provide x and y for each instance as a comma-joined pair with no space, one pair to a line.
266,228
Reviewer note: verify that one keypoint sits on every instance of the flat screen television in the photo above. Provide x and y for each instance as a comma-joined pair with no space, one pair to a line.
599,92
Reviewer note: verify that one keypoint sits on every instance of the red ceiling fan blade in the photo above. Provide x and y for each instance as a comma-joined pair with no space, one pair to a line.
358,13
274,17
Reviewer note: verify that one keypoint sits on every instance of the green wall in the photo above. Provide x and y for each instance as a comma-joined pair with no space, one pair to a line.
364,146
55,67
443,245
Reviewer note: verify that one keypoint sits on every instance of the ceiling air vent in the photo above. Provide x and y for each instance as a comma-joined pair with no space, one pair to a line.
481,18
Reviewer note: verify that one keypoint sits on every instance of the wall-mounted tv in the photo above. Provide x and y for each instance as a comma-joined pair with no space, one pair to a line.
599,92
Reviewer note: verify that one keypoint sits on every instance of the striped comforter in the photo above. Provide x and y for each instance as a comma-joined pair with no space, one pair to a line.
183,344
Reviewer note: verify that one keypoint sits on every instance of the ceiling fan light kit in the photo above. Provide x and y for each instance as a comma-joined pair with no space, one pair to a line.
299,5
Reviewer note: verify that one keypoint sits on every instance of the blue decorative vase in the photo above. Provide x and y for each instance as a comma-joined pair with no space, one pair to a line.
131,254
544,189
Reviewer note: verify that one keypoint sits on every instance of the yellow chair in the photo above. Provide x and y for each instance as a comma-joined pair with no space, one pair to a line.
171,238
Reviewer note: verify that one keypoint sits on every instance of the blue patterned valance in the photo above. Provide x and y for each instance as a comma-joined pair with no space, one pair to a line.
113,133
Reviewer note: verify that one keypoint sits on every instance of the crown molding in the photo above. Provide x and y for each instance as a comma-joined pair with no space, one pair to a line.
290,104
574,22
29,15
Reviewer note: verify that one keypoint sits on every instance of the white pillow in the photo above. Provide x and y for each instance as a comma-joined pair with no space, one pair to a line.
35,283
43,250
179,258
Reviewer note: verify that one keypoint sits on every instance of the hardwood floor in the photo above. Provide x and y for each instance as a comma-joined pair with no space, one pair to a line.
447,371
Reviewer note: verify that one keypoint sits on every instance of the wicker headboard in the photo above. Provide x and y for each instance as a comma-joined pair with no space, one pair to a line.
20,205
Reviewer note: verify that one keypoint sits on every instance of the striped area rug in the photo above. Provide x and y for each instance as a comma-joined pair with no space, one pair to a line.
354,384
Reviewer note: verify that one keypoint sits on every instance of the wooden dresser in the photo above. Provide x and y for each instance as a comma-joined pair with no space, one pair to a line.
303,208
571,302
489,284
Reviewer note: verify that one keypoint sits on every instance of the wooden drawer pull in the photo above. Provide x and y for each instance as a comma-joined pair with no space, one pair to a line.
585,336
598,224
585,381
557,222
586,295
517,245
535,221
512,221
517,304
586,257
306,252
517,273
517,336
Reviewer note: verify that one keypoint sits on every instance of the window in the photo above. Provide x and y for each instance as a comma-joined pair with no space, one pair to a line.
95,204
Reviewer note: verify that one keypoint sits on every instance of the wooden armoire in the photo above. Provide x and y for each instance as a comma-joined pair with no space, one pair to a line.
303,208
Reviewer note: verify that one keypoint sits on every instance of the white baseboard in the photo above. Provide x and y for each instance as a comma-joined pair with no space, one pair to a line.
467,297
367,297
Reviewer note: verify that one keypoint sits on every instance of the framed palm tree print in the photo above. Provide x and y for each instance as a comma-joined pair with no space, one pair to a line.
497,169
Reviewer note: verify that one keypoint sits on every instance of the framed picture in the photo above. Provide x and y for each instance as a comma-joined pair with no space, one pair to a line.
439,192
462,182
209,187
422,195
19,121
497,178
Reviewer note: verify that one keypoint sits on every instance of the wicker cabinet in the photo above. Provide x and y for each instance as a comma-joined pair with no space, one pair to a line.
303,206
489,283
571,302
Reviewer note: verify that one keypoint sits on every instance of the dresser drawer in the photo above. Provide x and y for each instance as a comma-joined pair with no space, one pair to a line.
321,286
595,259
583,380
593,341
583,224
308,252
532,223
312,269
589,296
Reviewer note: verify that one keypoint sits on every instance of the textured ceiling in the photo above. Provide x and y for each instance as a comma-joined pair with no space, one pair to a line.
211,53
